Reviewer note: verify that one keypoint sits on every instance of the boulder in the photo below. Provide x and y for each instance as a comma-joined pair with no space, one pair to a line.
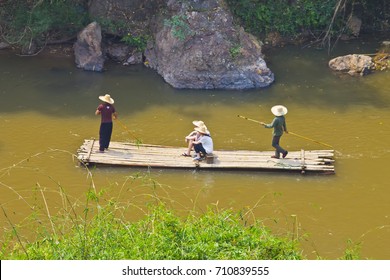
135,58
198,46
118,52
194,43
354,24
88,50
353,64
124,54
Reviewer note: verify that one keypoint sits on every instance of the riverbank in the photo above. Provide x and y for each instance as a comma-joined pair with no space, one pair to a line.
103,233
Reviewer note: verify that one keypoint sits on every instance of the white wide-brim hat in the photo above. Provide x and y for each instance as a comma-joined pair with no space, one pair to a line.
202,129
107,98
198,123
279,110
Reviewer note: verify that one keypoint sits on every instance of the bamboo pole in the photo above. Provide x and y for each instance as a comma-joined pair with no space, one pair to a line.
306,138
292,133
138,141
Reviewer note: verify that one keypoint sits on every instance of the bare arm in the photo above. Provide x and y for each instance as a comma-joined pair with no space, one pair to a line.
191,136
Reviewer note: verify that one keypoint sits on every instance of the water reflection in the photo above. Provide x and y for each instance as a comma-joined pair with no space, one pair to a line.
49,104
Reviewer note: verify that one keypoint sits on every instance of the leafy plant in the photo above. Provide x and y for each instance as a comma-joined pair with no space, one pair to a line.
179,27
235,51
160,235
352,252
281,16
105,228
112,27
138,42
40,21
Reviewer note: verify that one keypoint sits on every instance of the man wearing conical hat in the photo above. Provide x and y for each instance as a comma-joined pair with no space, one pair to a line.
107,112
279,126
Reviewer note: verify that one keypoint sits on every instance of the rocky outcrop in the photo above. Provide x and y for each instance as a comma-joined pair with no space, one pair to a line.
194,43
88,50
353,27
117,52
353,64
199,47
125,16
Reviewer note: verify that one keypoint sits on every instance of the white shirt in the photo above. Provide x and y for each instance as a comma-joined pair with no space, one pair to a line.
207,143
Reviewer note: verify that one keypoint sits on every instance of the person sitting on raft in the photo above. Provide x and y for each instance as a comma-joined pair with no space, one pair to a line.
204,144
193,136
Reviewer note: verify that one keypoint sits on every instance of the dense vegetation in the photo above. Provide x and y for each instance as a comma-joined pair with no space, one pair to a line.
23,23
160,235
39,22
291,17
103,233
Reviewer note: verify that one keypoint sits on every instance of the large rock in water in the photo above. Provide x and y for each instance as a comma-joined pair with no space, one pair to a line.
88,50
354,64
199,47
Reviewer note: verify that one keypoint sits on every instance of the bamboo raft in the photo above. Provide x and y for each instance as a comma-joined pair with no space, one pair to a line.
145,155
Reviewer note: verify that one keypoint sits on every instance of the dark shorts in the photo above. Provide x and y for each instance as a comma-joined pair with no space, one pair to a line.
199,149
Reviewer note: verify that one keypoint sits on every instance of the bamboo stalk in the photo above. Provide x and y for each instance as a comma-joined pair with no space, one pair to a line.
126,154
138,141
292,133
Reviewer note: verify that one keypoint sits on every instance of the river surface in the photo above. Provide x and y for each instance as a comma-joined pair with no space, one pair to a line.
48,106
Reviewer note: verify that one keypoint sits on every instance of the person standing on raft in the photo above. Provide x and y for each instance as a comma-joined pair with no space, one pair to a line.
279,126
107,112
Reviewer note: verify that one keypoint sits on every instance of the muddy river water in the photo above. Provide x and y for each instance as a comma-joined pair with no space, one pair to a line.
47,110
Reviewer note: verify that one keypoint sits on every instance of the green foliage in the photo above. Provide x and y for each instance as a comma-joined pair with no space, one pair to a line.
294,17
179,27
39,21
159,235
264,16
235,51
376,13
352,252
112,27
139,42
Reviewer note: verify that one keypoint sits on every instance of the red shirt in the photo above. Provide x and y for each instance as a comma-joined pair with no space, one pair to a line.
106,111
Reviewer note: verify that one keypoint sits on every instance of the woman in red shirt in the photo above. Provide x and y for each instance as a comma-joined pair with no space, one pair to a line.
107,112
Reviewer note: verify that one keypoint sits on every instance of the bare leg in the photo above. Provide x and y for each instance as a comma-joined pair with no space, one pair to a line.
190,145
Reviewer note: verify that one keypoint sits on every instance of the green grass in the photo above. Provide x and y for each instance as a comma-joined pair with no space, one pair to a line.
106,228
159,235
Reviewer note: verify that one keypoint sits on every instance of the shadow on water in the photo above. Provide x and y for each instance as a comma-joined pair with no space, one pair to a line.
56,86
